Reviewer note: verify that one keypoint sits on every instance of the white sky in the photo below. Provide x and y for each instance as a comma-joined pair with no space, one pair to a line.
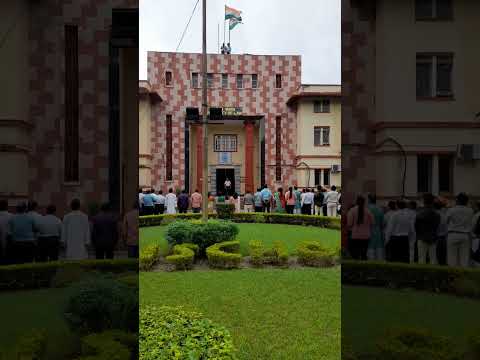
310,28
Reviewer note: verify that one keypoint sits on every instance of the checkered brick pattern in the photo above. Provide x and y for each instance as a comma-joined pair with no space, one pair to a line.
266,100
46,63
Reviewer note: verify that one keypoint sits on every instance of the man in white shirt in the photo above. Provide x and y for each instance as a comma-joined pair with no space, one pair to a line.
76,233
331,200
459,222
171,202
49,230
5,217
399,232
307,202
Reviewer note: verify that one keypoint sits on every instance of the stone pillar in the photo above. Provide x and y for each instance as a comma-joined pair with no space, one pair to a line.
199,141
249,149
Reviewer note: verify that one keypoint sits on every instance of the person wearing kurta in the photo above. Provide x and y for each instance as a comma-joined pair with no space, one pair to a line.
279,201
298,200
171,202
459,222
360,222
376,243
290,200
76,233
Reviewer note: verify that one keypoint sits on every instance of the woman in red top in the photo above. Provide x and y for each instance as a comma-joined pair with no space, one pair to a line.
359,222
290,200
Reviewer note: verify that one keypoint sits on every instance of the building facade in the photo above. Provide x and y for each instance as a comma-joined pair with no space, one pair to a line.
409,107
253,128
68,101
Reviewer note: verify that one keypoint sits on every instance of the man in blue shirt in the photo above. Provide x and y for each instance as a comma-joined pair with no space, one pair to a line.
22,231
266,197
149,203
258,201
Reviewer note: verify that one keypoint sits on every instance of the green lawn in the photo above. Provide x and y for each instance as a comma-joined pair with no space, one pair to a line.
291,235
375,310
22,311
271,313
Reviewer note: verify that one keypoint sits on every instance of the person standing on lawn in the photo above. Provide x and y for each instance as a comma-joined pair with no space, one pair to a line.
400,230
171,202
331,200
298,200
22,230
360,222
459,221
76,232
196,200
318,200
258,200
442,231
5,217
290,200
307,202
376,243
105,232
412,210
476,235
279,201
49,229
148,203
183,202
248,202
130,231
266,198
427,221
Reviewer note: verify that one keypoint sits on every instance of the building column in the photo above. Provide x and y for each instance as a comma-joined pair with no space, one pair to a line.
249,149
199,141
435,179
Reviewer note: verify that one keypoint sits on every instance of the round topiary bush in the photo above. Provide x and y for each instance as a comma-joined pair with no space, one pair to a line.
172,333
312,253
102,303
179,232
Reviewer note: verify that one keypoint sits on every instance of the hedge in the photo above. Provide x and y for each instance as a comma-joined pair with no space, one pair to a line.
278,255
312,253
224,255
112,345
182,256
457,281
172,333
148,257
40,275
267,218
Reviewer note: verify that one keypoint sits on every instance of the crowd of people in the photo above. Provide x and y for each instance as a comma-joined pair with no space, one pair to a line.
434,233
29,236
307,201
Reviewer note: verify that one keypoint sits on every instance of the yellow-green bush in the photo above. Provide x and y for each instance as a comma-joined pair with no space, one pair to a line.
224,255
148,257
182,256
312,253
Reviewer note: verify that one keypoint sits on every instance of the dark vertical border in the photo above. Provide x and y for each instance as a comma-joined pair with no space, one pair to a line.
114,129
278,148
168,152
187,156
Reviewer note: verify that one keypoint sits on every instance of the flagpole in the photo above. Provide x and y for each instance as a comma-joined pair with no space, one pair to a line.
224,22
204,116
218,37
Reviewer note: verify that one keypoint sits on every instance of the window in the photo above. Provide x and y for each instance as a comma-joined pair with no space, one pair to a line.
254,81
424,173
194,80
445,173
321,135
433,10
225,81
434,75
209,80
318,174
278,148
168,151
71,171
321,106
239,81
326,176
168,78
278,81
225,143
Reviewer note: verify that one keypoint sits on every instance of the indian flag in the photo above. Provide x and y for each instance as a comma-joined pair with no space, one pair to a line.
231,13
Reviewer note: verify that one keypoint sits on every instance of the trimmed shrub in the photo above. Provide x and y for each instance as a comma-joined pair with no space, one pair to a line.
179,232
443,279
213,232
31,346
182,257
224,255
148,257
100,304
39,275
172,333
112,345
278,255
414,344
225,211
312,253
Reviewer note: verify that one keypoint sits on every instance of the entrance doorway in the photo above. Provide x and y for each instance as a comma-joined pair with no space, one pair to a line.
221,176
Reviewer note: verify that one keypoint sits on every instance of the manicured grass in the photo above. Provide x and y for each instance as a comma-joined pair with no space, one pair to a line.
271,313
22,311
291,235
368,312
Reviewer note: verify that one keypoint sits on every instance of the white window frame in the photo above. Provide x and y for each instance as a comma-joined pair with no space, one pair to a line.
323,129
196,76
225,143
434,74
324,109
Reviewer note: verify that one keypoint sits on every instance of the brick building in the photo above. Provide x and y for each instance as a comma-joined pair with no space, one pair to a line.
68,101
255,140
